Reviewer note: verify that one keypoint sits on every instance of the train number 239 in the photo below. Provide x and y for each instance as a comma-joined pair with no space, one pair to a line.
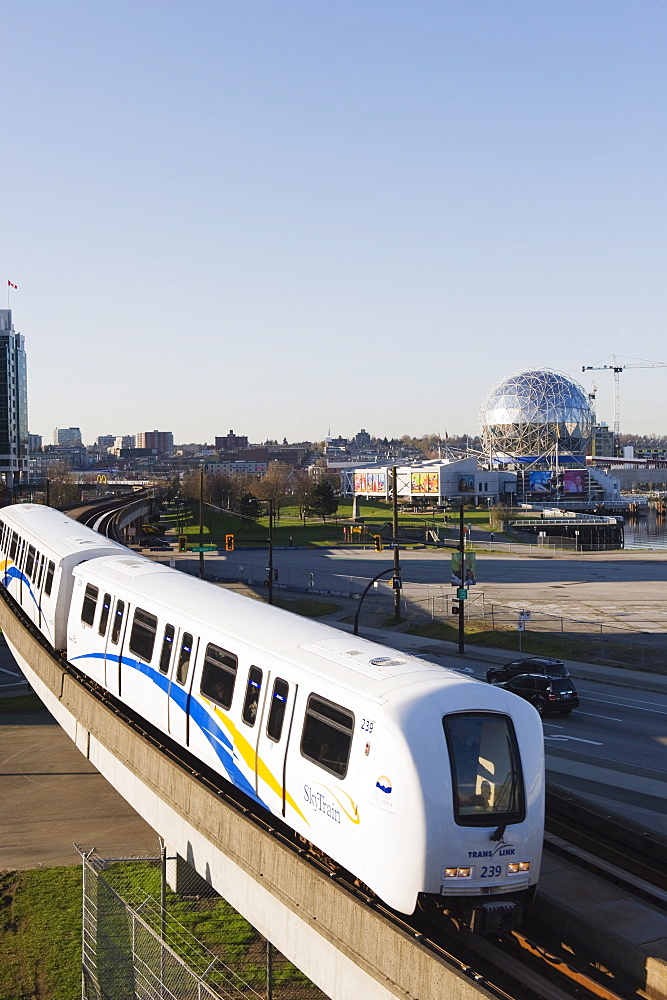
490,871
367,725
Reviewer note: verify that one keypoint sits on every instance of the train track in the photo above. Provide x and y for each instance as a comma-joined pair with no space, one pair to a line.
516,965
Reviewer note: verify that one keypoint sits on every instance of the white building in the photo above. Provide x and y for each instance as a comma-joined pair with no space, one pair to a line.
433,482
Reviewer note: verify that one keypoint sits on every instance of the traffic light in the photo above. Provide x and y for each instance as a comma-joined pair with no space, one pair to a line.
229,543
275,574
456,609
182,543
378,542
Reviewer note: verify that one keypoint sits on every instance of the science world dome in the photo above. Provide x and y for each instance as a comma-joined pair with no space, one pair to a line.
536,413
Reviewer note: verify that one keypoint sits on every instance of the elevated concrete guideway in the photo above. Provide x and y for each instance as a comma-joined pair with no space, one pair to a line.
342,945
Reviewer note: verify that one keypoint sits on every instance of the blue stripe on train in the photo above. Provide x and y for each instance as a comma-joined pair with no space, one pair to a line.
216,736
13,573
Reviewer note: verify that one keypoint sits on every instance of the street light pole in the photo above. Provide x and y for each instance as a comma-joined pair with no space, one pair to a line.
384,572
397,564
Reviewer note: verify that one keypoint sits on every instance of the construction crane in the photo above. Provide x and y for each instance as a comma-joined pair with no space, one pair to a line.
617,369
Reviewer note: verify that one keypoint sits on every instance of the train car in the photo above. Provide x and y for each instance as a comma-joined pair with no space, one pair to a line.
39,548
424,783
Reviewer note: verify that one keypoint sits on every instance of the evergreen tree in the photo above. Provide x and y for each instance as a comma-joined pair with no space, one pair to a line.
322,500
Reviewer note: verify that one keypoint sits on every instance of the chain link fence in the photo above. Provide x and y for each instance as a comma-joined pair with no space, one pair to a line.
142,941
430,611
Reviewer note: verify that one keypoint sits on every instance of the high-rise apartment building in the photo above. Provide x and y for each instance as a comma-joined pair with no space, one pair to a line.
67,437
160,441
13,402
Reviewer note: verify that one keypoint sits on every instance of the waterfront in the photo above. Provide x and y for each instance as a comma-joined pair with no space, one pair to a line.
648,532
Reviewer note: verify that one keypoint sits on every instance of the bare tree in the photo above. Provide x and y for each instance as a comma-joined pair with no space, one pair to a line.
63,491
274,485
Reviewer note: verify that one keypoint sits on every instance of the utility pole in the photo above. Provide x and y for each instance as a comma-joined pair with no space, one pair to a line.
397,565
201,523
461,589
270,566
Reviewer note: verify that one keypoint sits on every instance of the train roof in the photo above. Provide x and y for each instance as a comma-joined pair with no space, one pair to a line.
375,670
55,530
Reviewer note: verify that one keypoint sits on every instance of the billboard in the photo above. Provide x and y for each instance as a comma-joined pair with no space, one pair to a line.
425,482
466,484
539,482
470,576
370,482
376,482
574,481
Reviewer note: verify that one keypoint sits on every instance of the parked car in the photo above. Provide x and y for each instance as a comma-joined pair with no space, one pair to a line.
546,694
154,543
544,665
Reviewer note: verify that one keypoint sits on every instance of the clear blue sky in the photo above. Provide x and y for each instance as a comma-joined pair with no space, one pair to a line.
282,216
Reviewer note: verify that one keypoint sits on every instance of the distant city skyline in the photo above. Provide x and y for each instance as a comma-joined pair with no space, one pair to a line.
285,217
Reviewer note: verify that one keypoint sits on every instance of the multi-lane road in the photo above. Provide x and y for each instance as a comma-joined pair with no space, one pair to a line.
628,589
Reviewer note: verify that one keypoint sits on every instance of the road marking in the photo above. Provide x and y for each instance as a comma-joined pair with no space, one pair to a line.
639,706
12,673
593,716
577,739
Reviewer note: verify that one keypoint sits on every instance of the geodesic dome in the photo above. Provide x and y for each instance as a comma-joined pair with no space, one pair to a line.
535,413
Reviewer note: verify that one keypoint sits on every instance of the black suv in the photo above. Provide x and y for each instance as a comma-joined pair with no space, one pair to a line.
530,665
546,694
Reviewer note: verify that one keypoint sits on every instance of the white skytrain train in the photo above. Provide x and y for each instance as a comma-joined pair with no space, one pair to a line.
427,785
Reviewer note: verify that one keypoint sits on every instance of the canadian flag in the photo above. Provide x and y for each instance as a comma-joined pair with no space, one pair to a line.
11,284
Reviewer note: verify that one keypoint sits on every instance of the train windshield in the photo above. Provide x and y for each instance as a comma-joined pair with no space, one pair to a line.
486,769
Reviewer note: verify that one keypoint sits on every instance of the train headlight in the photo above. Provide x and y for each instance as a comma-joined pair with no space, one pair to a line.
514,867
457,872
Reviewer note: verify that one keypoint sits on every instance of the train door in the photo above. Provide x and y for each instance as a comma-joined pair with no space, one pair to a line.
167,647
114,650
273,736
180,686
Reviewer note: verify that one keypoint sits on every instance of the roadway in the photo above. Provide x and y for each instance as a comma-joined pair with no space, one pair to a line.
628,590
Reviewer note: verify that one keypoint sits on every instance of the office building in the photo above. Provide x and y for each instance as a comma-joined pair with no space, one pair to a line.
13,402
161,442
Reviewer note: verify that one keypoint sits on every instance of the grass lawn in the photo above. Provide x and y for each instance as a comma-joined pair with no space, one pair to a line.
560,645
315,531
40,934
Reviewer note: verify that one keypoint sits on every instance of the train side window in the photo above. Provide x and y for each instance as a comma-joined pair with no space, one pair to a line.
19,557
184,658
252,693
117,621
274,726
5,533
104,614
89,604
167,646
327,735
40,570
142,636
30,561
13,545
48,583
219,675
